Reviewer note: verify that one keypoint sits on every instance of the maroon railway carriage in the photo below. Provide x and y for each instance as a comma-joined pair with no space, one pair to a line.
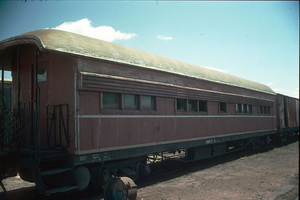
88,109
287,116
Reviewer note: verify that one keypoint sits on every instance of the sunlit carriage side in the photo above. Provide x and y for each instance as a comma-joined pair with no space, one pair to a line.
90,110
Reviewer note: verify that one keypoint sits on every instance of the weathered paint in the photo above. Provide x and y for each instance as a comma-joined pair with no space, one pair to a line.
288,112
66,42
121,131
56,90
100,130
109,154
80,68
280,112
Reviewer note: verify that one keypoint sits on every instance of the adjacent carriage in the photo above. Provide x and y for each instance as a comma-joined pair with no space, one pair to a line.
87,110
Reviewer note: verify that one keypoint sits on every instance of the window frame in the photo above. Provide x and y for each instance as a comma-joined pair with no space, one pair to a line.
195,102
205,106
238,108
184,105
42,77
117,106
245,108
250,111
268,110
153,105
129,107
222,107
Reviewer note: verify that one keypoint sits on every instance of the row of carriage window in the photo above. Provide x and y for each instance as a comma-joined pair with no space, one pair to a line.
128,101
144,102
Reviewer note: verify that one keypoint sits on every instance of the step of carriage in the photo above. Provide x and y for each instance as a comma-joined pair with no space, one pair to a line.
60,190
57,180
56,171
58,167
65,178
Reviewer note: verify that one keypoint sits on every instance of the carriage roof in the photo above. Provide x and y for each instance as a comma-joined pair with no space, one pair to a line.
70,43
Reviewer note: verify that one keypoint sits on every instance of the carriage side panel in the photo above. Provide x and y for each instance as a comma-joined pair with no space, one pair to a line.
103,129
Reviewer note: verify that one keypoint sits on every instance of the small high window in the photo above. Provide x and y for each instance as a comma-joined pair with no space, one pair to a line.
42,75
202,106
249,108
181,104
245,108
268,110
192,105
264,110
148,103
238,108
111,100
223,107
130,101
260,110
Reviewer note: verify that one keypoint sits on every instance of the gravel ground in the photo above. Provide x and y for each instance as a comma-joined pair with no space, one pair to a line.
271,175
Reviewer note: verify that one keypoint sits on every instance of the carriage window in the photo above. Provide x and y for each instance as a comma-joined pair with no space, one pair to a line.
245,108
111,100
268,110
180,104
238,108
222,107
202,106
264,109
42,75
260,110
249,108
192,105
130,101
148,103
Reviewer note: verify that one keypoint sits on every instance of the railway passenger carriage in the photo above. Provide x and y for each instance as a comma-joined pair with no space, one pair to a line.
86,109
287,116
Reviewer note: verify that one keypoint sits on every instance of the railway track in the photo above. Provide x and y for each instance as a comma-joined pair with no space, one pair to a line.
268,174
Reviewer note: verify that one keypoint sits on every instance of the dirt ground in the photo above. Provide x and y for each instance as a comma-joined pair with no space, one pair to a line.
271,175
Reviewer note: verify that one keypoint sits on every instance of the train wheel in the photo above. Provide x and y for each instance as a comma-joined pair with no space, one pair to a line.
120,188
83,177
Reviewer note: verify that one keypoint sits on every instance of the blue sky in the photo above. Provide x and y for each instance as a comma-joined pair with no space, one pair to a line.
258,40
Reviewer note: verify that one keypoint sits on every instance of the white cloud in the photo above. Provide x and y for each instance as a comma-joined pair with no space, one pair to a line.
84,27
162,37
